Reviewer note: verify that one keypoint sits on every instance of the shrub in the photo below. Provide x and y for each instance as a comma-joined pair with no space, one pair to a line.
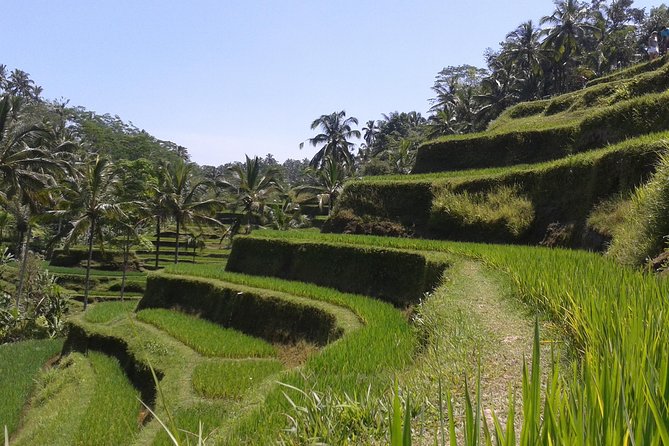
643,233
42,307
345,221
108,259
498,214
396,276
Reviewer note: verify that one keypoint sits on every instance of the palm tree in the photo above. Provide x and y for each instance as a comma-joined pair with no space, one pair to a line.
184,202
92,202
157,206
524,58
329,182
334,137
566,37
25,173
252,185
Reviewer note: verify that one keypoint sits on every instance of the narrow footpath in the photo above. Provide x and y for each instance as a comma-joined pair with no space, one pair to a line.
474,317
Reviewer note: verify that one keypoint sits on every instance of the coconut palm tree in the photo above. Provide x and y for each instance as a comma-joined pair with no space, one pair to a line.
252,185
334,138
26,172
184,200
92,202
328,184
570,27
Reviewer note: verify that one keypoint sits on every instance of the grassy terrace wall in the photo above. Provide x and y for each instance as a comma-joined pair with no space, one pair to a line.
271,316
391,275
563,191
81,339
545,130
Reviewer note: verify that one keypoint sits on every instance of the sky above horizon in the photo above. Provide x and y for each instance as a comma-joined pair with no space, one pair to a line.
225,79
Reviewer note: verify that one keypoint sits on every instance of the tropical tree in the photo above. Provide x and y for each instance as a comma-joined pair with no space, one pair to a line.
570,27
252,185
328,183
92,204
26,173
184,198
336,131
523,56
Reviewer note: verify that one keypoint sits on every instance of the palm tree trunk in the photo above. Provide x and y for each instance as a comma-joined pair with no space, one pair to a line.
157,241
126,248
25,237
88,263
176,250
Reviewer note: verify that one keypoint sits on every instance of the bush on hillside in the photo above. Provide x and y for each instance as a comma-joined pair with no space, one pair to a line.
42,307
500,213
609,215
346,222
644,232
109,259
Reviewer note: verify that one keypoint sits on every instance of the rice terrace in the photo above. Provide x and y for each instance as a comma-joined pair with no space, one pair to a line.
496,273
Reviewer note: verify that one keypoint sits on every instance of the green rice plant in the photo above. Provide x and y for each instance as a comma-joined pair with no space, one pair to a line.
329,418
231,379
102,426
615,317
609,215
366,356
71,404
104,312
499,210
20,363
643,233
207,338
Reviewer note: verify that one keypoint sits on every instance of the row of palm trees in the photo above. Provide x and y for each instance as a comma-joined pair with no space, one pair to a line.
56,181
579,40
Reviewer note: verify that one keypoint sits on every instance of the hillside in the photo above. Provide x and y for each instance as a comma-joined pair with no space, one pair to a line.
534,176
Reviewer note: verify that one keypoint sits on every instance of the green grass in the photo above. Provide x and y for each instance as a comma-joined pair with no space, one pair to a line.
76,271
365,358
642,235
231,379
19,364
638,144
100,425
108,311
500,210
86,400
616,317
207,338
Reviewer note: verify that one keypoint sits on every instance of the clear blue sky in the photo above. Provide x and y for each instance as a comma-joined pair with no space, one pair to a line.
228,78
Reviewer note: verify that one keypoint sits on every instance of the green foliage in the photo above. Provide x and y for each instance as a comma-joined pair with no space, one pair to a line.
20,362
396,276
645,229
364,357
497,214
408,204
544,130
104,312
328,417
232,379
284,319
615,316
608,216
564,190
71,404
42,310
207,338
109,259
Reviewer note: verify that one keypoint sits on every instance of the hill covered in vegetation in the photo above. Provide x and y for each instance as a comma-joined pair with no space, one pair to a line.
559,171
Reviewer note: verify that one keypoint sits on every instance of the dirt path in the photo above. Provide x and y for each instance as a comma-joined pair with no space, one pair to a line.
473,315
